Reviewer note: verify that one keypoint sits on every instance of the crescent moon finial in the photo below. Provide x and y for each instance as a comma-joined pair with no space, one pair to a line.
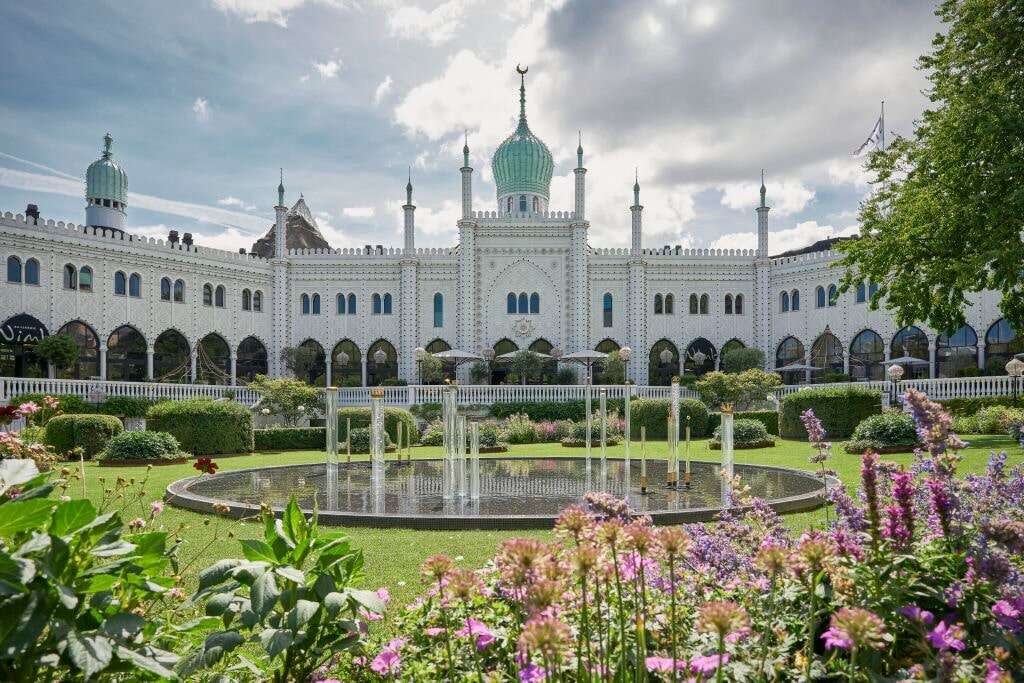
521,71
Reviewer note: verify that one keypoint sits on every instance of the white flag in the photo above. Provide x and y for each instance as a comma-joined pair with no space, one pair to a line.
874,139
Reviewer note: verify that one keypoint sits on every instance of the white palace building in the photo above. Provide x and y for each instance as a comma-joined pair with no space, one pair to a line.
523,275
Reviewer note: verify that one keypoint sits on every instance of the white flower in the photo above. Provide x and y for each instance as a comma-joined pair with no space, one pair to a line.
265,411
459,558
302,409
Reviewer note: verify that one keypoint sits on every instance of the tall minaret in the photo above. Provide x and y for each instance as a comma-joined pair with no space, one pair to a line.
762,222
410,220
467,181
581,181
637,210
280,325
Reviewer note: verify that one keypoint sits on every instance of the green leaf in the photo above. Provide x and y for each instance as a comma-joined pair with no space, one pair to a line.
323,586
216,605
334,603
91,654
98,584
294,522
14,574
216,644
123,625
299,615
276,641
367,599
38,543
113,549
200,624
256,550
71,516
143,662
216,572
32,615
292,574
264,594
20,515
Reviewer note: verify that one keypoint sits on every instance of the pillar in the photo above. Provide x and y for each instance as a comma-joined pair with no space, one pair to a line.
363,370
103,360
328,371
581,183
194,370
280,305
981,355
467,183
149,363
931,359
233,362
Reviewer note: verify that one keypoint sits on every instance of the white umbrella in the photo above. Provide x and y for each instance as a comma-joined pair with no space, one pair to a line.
797,367
457,356
584,357
906,360
513,354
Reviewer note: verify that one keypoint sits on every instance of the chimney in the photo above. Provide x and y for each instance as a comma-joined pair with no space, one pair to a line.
32,211
186,239
241,250
172,237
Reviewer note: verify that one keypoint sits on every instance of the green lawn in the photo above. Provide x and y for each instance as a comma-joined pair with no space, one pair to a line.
393,556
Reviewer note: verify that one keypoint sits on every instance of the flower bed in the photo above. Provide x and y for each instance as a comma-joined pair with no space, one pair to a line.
750,445
573,442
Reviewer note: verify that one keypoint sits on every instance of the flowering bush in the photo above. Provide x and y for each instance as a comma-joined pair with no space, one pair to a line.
997,419
519,429
919,576
13,447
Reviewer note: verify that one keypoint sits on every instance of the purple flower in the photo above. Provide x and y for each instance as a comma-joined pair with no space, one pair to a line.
994,673
706,664
942,503
816,435
853,627
1008,614
915,613
663,664
473,627
869,488
946,637
387,663
532,673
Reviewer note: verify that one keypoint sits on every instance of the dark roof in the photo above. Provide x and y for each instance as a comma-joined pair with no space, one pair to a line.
301,232
820,245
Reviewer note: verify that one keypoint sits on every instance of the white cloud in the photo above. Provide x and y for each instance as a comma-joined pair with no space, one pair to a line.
849,170
268,11
303,78
328,69
438,223
235,202
382,90
228,239
201,108
801,235
437,26
785,196
358,212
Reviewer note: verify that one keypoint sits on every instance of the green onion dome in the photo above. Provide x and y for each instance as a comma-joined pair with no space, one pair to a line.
105,179
522,163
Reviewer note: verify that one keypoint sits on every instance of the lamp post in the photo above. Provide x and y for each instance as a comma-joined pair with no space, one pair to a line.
342,359
624,353
666,358
488,356
895,374
418,353
1015,369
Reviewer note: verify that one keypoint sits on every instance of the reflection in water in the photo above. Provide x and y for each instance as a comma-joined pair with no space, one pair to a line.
509,486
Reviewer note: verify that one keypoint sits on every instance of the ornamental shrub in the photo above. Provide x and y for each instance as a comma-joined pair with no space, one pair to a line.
652,413
769,418
519,429
839,409
971,406
142,445
739,360
745,432
91,433
742,389
290,438
997,419
428,412
490,435
360,418
433,435
361,440
551,410
125,406
965,424
890,430
203,426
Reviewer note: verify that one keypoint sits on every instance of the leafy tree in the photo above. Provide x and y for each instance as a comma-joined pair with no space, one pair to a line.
741,389
302,361
60,349
431,369
613,370
290,398
480,372
946,217
526,365
739,360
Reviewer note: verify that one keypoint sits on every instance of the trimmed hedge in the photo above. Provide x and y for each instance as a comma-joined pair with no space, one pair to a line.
392,417
290,438
140,445
769,418
885,432
361,440
203,426
125,406
840,410
970,406
91,433
652,413
745,432
540,411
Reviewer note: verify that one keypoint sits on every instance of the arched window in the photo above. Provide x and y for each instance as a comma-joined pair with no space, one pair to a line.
207,294
833,295
165,289
305,304
606,309
524,304
522,203
867,355
251,359
499,371
316,304
126,355
32,272
346,364
213,360
13,269
87,365
827,355
535,304
702,350
376,304
784,302
135,285
179,291
872,290
438,309
70,277
218,296
246,300
85,279
659,304
729,347
789,352
381,366
1001,344
862,293
795,300
819,297
351,304
120,283
705,302
257,301
911,342
316,372
172,360
694,306
510,303
670,304
956,355
662,363
739,304
728,304
387,304
339,303
536,204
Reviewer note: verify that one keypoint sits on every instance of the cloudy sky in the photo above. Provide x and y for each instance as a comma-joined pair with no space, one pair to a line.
206,99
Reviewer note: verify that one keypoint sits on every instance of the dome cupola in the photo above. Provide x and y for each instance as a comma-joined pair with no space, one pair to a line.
106,190
522,165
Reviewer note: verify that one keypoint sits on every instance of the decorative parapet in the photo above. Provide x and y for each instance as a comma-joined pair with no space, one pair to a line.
375,252
528,216
813,257
672,253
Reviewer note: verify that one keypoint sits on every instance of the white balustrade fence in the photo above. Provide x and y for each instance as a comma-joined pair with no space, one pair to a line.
95,391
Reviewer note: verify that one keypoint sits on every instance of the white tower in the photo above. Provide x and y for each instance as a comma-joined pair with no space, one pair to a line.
762,222
637,211
106,190
467,181
409,209
636,311
281,328
763,297
409,312
581,181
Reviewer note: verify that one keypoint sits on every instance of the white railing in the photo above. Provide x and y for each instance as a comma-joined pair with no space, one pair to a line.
96,391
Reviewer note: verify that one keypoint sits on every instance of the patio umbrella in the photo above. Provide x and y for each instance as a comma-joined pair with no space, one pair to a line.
512,354
797,367
906,360
585,358
1019,356
457,356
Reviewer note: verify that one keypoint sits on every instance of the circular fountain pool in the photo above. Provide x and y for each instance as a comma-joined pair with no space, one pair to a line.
515,493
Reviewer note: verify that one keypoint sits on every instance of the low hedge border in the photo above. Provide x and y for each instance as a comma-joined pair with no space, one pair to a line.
580,443
840,410
141,462
743,446
769,418
203,426
64,433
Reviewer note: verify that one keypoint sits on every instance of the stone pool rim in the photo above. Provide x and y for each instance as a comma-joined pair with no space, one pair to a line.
179,495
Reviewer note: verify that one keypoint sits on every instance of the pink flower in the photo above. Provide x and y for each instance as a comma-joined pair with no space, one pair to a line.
367,615
994,673
137,523
946,637
155,508
387,663
915,613
434,631
663,664
532,673
384,594
1008,614
473,627
51,402
707,664
28,408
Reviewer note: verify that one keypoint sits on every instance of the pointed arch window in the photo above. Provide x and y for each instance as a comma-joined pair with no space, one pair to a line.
535,304
305,304
257,301
246,300
351,304
207,294
522,203
165,289
85,279
862,293
179,291
524,304
670,304
120,284
819,297
135,285
510,303
70,277
795,299
872,290
659,304
728,304
784,302
32,272
316,304
739,305
438,309
606,309
377,307
340,304
694,306
218,296
13,269
387,304
833,295
705,302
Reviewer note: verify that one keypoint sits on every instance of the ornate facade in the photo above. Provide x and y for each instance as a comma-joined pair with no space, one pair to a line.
521,276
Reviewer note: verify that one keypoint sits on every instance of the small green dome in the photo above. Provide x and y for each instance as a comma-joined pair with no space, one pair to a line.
523,163
105,179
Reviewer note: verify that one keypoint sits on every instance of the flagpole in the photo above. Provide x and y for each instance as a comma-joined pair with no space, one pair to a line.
883,125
